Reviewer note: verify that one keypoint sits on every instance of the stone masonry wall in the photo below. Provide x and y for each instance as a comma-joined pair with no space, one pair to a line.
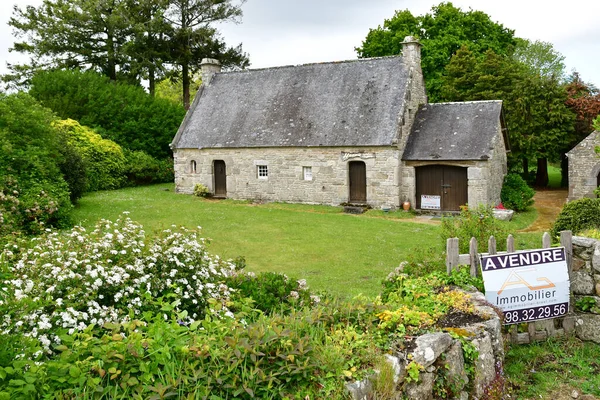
584,166
585,284
440,354
285,182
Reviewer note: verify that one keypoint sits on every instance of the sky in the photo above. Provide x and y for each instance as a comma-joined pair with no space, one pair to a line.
286,32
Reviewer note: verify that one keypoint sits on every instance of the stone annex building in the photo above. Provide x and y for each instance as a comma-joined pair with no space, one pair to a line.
357,132
584,168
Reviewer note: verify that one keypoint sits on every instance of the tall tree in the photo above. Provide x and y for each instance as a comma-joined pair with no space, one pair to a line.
539,122
87,34
540,58
442,32
148,48
194,38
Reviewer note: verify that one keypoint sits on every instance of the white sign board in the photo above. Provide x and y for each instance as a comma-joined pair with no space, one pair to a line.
527,285
430,202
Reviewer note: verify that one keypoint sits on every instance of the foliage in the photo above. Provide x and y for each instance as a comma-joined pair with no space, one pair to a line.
271,292
586,304
143,169
119,112
124,39
478,223
201,191
539,123
516,194
104,159
194,39
423,262
545,367
441,32
169,88
577,216
107,275
33,192
540,58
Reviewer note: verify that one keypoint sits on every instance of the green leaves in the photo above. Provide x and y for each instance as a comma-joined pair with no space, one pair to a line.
441,32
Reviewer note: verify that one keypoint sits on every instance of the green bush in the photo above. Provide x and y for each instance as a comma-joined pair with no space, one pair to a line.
478,223
123,113
577,216
516,194
200,190
33,191
104,159
143,169
271,292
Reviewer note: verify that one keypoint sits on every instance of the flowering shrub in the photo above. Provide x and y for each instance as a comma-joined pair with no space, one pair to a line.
69,281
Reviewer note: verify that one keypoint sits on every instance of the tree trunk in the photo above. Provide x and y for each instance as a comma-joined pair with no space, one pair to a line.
541,177
564,170
151,80
185,79
525,162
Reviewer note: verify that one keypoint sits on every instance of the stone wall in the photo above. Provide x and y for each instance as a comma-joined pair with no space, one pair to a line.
285,181
585,284
584,166
441,355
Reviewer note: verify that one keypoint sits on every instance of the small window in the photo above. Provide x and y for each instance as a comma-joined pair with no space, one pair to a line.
307,173
193,167
263,171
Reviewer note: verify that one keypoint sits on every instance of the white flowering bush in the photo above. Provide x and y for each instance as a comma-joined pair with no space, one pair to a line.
64,282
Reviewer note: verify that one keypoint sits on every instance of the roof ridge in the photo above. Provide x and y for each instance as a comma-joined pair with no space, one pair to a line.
463,102
308,64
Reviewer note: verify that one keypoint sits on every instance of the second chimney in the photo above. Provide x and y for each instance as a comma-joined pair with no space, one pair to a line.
208,68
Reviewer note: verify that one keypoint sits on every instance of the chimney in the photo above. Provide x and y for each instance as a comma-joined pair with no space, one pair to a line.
208,68
411,50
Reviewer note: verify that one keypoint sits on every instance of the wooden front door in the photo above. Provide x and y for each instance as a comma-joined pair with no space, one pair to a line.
441,187
358,182
220,178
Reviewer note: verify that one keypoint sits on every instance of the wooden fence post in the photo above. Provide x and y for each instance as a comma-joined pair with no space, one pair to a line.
510,244
546,241
473,257
451,254
492,245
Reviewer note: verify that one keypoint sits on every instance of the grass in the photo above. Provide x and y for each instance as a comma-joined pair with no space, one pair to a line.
554,176
540,369
344,254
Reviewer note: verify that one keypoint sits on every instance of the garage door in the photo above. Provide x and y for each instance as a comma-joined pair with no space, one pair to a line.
441,187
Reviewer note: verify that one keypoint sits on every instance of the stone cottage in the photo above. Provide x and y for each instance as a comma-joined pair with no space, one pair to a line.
356,132
584,168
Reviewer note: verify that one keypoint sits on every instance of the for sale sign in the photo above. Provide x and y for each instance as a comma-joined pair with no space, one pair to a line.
430,202
527,285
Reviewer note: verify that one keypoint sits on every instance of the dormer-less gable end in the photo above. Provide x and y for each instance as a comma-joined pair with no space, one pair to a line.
350,103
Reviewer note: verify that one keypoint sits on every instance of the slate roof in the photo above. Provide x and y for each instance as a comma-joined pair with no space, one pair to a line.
587,145
350,103
454,131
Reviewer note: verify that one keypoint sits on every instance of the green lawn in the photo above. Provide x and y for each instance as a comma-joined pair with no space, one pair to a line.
342,253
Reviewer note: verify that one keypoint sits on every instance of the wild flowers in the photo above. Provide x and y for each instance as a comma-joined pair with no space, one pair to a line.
67,281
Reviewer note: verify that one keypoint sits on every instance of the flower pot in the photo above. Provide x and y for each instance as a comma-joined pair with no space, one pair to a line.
406,205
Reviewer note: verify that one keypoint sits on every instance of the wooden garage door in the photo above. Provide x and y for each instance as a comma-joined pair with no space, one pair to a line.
358,182
443,183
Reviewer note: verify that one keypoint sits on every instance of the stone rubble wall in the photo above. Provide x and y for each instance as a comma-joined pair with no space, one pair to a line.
285,183
585,283
584,166
440,354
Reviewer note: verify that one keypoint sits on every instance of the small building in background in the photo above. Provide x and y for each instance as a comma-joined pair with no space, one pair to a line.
584,168
358,132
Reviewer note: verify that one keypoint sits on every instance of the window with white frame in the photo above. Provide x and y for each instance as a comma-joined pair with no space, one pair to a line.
193,166
262,171
307,173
